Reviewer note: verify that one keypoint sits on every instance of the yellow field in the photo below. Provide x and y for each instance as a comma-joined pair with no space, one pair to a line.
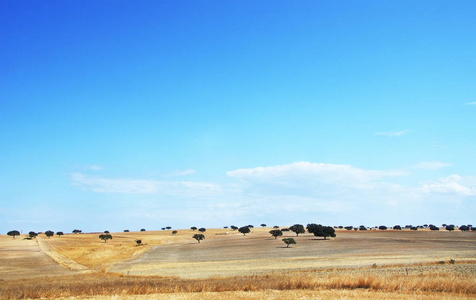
362,265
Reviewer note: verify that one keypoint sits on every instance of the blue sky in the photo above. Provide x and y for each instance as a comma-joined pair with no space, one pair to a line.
145,114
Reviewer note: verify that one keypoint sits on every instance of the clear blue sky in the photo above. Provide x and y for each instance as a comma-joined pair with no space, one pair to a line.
144,114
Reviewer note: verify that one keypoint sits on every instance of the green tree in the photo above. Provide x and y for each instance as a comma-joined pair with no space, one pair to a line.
276,233
199,237
13,233
289,241
297,229
319,230
202,229
464,228
32,234
244,230
263,225
142,229
49,233
174,232
193,228
59,233
105,237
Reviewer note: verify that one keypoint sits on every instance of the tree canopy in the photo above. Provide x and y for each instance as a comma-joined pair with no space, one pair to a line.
199,237
276,233
13,233
289,241
319,230
105,237
297,229
244,230
49,233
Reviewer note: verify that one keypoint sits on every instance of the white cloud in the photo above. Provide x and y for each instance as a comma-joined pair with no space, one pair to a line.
300,173
431,165
142,186
451,185
471,103
391,134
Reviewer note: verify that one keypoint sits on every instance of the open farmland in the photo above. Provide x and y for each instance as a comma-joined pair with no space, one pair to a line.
368,264
258,252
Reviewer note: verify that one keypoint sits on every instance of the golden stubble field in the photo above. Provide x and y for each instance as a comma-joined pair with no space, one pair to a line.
369,264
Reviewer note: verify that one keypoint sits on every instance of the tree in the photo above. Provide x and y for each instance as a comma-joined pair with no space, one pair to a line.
450,227
289,241
250,226
319,230
275,226
32,234
163,228
414,228
382,227
202,229
168,227
174,232
105,237
13,233
434,228
59,233
263,225
397,227
362,227
193,228
139,242
106,231
126,230
244,230
199,237
349,227
233,227
77,231
49,233
276,233
142,229
297,229
464,228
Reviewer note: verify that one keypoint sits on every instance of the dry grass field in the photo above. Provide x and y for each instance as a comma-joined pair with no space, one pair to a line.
363,265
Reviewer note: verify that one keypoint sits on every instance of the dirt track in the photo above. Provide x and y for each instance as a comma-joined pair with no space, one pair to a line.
24,259
258,252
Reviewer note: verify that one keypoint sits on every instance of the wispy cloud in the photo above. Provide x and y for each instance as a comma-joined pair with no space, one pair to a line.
141,186
471,103
431,165
391,134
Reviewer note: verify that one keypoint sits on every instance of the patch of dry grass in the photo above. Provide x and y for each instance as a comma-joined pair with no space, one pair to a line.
434,282
90,251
